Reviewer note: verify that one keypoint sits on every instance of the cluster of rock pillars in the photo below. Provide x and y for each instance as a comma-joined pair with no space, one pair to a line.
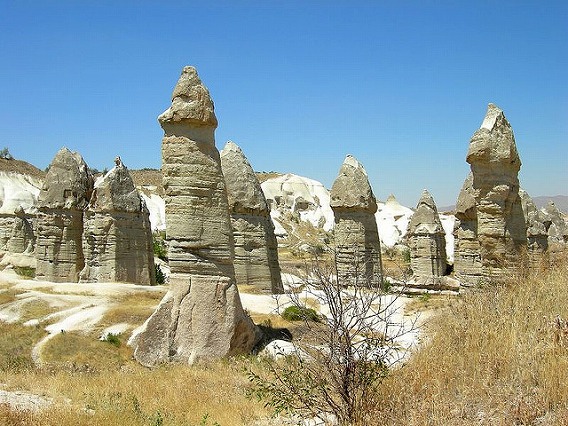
219,230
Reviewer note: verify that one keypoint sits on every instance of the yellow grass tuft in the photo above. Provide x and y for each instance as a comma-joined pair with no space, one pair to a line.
497,356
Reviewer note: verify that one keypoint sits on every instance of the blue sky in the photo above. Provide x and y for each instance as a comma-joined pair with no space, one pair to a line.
298,85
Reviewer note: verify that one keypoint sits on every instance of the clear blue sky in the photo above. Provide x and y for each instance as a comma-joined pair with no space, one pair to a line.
297,84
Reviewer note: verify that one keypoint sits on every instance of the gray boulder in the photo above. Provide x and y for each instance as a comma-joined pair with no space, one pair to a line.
256,249
201,318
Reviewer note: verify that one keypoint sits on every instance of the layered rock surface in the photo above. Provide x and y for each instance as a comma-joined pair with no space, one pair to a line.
537,237
256,248
22,238
495,165
117,239
467,257
358,250
201,317
65,193
556,229
427,242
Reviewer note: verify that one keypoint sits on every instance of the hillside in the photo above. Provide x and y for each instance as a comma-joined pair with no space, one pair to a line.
22,167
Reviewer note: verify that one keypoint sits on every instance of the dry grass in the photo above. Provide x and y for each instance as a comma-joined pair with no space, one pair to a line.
132,395
134,308
497,356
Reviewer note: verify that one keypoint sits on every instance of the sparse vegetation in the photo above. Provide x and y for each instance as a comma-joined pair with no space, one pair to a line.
113,339
160,276
5,154
25,271
496,356
159,246
300,313
338,367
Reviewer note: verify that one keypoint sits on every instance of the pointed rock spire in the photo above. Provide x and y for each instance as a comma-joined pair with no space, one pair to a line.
65,193
501,228
358,250
256,248
427,241
201,318
351,189
117,236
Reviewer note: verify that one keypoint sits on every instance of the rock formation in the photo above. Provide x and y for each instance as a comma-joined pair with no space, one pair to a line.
117,238
256,249
201,317
65,193
495,165
427,241
557,231
358,250
22,238
537,237
467,258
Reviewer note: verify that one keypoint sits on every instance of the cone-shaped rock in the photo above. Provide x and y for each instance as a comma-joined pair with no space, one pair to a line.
201,317
117,238
427,240
256,249
65,193
467,258
358,250
537,237
495,165
22,238
557,231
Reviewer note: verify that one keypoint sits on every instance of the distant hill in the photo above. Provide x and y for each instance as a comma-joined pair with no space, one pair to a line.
561,202
21,167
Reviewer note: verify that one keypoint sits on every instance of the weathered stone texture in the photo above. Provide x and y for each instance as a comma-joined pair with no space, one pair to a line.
427,241
256,248
557,231
537,237
117,239
495,164
201,318
467,258
22,238
65,193
358,250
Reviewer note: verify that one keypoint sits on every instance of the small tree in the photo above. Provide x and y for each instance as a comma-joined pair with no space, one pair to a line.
341,361
5,154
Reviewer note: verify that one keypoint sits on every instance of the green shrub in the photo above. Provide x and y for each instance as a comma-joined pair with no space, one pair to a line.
160,276
300,313
25,271
113,339
160,248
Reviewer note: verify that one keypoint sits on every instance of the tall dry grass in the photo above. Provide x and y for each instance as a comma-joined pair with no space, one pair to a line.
497,356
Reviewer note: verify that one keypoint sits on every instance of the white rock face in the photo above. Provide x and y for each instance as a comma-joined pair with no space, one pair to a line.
18,190
392,221
308,197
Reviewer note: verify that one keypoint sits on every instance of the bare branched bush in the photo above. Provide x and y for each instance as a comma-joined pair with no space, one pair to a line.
341,360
